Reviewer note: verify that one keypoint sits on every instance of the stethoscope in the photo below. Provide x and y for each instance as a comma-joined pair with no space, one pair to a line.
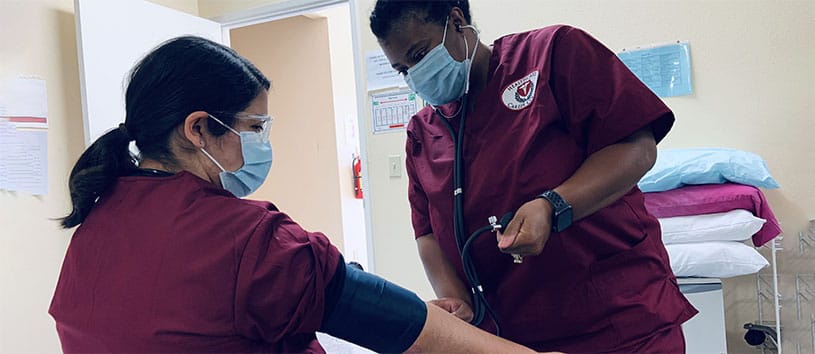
480,305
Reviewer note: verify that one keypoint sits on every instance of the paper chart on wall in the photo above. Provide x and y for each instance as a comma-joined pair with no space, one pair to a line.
665,69
24,102
23,136
23,159
392,111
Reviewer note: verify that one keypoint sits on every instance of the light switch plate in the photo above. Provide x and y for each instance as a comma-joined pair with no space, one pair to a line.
395,166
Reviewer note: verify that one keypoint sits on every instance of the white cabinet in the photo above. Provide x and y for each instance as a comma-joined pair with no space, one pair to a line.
705,332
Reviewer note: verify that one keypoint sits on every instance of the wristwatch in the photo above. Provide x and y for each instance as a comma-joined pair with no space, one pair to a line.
561,210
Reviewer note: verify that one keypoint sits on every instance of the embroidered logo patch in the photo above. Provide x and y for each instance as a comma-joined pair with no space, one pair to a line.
519,94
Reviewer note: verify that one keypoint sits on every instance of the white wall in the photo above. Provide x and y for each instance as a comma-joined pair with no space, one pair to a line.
355,246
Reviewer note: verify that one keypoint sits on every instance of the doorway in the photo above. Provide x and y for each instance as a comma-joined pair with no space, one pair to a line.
315,136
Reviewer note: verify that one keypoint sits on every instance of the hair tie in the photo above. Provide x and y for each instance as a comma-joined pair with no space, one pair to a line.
124,131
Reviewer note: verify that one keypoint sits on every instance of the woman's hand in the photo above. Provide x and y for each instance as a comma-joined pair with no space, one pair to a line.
527,233
455,306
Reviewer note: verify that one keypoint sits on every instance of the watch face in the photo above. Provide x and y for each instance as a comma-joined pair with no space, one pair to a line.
562,211
564,219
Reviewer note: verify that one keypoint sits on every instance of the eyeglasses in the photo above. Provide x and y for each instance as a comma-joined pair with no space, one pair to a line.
261,124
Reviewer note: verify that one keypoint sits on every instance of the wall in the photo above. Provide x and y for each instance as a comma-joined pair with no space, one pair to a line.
188,6
355,246
214,8
294,54
39,38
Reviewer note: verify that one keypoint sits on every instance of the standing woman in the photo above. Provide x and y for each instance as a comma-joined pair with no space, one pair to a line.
548,124
168,258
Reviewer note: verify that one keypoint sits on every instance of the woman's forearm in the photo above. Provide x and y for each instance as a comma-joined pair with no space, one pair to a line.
609,174
444,333
440,273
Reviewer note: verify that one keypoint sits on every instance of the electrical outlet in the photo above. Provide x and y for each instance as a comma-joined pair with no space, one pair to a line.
395,166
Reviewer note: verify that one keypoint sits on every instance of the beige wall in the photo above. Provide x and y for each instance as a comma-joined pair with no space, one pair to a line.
38,38
214,8
188,6
294,54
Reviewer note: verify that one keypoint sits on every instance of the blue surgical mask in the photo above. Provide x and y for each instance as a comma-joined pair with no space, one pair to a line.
438,78
257,161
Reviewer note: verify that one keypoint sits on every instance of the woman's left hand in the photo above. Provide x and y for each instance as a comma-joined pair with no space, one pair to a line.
527,233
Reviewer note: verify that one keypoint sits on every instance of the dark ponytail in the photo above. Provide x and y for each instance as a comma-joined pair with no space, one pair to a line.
181,76
107,158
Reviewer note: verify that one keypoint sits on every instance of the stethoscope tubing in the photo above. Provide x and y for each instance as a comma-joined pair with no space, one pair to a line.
480,305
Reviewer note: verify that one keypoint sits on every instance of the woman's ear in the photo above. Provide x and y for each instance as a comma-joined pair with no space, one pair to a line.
195,128
457,18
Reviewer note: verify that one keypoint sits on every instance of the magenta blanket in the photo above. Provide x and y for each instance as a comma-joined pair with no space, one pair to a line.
715,198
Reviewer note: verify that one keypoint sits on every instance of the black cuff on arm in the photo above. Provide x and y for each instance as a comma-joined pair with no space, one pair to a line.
372,312
334,288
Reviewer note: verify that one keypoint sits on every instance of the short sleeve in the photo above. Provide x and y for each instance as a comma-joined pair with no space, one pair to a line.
600,99
281,282
419,208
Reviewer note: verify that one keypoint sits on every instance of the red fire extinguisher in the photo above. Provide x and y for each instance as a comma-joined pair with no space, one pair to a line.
357,166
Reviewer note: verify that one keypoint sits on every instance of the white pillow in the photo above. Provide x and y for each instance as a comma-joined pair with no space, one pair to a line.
716,259
734,225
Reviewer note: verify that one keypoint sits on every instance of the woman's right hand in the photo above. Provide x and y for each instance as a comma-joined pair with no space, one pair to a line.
455,306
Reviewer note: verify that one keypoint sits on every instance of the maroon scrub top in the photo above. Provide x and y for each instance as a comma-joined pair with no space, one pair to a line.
177,264
555,96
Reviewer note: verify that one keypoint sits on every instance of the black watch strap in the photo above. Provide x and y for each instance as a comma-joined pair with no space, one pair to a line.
561,210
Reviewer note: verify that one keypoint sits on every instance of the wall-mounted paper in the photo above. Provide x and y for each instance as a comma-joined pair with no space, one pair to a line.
380,73
24,151
24,102
665,69
23,159
392,111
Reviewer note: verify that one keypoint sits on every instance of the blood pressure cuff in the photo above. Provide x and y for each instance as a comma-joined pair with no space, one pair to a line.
371,312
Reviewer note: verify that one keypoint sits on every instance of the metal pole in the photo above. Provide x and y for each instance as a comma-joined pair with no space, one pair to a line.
776,297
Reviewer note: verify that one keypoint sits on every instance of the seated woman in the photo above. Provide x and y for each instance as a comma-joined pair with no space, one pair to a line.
168,258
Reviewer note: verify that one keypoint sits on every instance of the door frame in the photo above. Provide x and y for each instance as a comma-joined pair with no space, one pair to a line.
290,8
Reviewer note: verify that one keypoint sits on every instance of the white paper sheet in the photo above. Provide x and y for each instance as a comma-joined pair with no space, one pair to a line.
23,159
24,102
380,73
